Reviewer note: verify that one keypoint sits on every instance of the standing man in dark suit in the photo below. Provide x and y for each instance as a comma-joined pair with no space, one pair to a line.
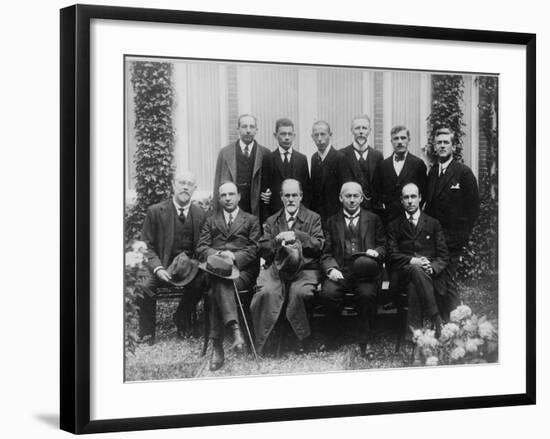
418,253
241,163
355,241
170,228
232,234
328,170
362,159
396,170
452,198
292,225
284,162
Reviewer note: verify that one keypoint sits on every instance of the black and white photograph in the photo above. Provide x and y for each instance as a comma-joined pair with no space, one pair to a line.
288,219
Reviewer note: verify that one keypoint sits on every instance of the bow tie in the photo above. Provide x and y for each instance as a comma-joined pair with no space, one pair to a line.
399,157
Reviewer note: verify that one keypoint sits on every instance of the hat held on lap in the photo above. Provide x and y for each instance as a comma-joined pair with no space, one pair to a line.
364,267
182,270
288,259
220,266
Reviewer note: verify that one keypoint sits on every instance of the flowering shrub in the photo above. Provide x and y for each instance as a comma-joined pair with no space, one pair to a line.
465,339
135,274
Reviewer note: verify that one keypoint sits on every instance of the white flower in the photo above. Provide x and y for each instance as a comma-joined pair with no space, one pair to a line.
449,331
457,353
460,313
427,339
432,361
486,330
470,327
139,246
134,259
472,344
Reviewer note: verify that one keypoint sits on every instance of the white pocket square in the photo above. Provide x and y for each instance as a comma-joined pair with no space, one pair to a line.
455,186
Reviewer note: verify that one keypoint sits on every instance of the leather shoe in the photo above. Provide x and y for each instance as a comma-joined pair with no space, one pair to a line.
238,339
216,358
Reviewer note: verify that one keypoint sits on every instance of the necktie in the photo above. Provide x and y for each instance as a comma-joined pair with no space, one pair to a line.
361,156
246,152
441,171
291,220
286,165
181,214
230,220
399,157
411,221
351,223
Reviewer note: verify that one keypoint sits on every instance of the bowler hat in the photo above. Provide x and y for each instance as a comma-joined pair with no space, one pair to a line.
288,259
182,269
221,266
364,267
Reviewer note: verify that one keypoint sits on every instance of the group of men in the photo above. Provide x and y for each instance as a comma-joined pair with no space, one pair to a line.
337,226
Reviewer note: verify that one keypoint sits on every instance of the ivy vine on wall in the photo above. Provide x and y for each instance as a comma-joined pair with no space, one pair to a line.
447,96
481,255
154,133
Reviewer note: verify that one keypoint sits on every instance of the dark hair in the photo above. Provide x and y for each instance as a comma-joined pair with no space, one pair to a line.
283,122
445,130
398,128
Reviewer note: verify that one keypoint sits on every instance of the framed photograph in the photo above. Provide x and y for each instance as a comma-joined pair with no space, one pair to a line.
167,300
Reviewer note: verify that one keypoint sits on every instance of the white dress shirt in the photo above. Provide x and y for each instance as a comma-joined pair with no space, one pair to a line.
185,208
443,166
357,148
233,215
398,164
324,154
415,217
244,145
282,151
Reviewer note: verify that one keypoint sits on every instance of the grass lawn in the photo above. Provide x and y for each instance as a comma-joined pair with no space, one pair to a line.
175,358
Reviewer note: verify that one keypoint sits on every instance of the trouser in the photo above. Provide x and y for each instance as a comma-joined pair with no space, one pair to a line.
147,303
365,291
222,301
422,302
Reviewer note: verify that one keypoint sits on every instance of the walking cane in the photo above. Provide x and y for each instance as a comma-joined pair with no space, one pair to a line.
246,325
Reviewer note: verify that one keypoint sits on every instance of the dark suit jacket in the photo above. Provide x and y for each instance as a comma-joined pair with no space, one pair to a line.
158,231
241,238
308,230
426,239
273,172
372,236
327,178
453,200
353,172
226,170
388,185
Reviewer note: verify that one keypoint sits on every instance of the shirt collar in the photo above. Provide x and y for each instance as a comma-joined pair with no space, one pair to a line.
443,166
415,215
355,215
288,215
324,154
243,145
233,214
404,156
282,152
358,148
178,207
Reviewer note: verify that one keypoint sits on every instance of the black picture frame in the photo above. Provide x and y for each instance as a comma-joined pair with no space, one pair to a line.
75,217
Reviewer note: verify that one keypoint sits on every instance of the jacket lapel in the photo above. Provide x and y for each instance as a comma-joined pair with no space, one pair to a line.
238,222
405,171
370,162
278,162
354,163
340,228
167,214
230,158
221,225
449,172
364,226
420,224
257,158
